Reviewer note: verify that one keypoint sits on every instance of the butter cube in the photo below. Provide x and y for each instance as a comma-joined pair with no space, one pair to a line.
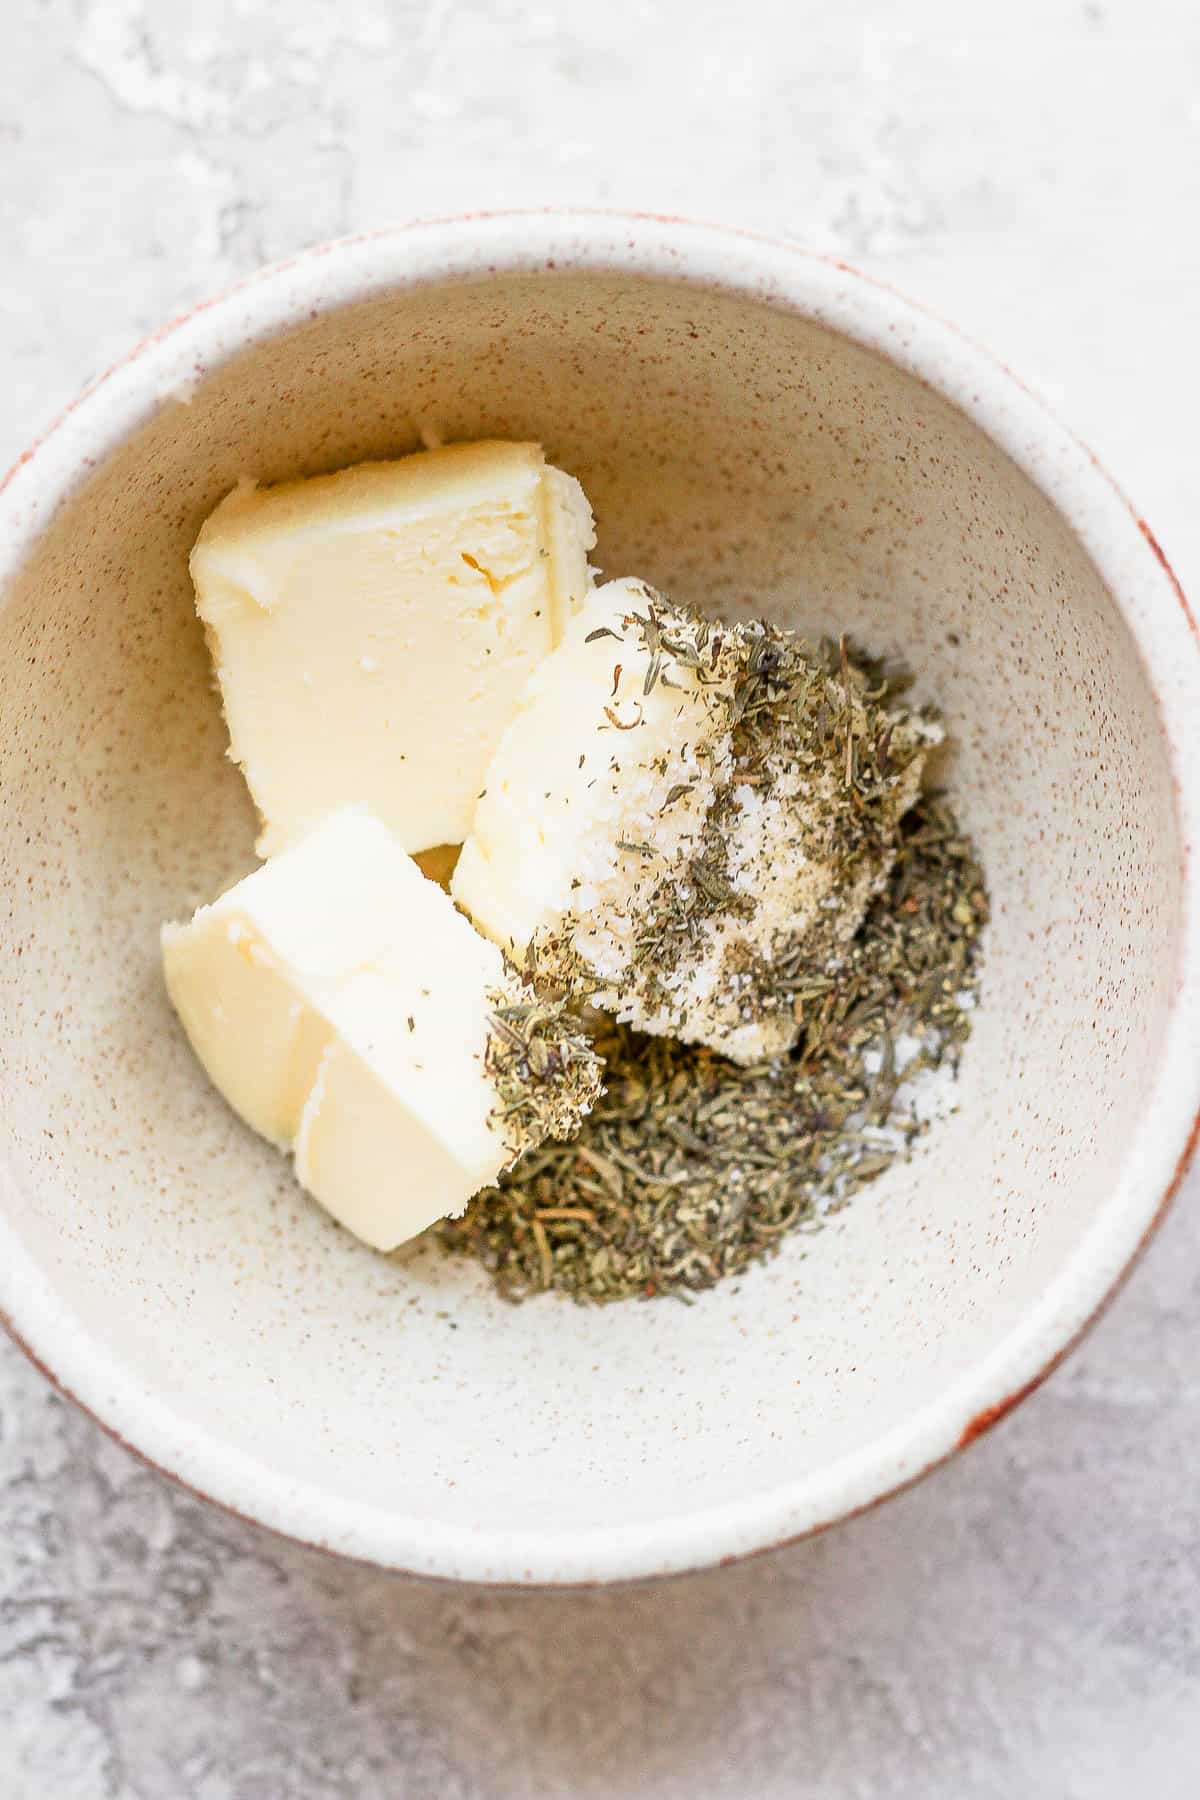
684,819
371,629
341,1004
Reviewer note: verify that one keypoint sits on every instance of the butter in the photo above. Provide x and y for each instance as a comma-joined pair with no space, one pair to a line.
371,630
673,827
344,1007
584,767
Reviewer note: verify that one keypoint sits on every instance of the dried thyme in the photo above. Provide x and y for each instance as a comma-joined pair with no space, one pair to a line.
797,764
543,1068
690,1167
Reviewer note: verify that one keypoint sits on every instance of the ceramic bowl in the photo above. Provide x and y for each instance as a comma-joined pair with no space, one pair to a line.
758,429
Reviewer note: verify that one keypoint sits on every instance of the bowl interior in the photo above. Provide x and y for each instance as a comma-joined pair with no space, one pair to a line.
740,456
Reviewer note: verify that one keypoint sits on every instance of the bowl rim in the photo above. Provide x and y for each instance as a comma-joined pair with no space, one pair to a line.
779,274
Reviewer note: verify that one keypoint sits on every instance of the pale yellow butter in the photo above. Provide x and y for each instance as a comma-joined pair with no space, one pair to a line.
583,770
341,1003
623,850
372,629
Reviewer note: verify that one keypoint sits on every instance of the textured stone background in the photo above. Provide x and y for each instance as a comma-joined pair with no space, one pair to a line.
1026,1624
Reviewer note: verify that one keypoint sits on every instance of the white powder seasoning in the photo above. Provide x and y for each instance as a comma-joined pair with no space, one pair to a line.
698,827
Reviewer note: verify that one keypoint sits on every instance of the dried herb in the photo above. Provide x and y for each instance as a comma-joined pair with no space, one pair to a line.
819,736
691,1167
543,1068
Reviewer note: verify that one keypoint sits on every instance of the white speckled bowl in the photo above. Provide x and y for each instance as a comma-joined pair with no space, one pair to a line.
756,426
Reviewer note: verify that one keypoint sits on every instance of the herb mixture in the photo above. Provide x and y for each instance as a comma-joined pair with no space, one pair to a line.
764,857
691,1167
543,1067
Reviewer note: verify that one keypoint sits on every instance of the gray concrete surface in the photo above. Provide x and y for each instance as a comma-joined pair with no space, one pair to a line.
1027,1623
